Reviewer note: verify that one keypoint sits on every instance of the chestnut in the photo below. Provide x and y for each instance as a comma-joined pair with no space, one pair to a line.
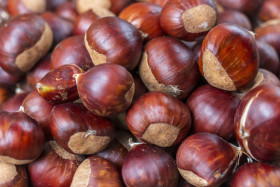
213,111
188,20
167,65
24,40
114,40
13,103
97,171
5,94
269,10
59,85
78,130
205,159
234,17
71,51
13,176
159,119
39,109
21,138
17,7
55,167
106,89
7,79
256,119
147,165
4,15
158,2
67,10
229,58
53,4
145,17
256,174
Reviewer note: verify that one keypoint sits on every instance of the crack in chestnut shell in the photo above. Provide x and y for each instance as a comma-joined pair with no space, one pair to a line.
13,176
97,171
147,165
83,21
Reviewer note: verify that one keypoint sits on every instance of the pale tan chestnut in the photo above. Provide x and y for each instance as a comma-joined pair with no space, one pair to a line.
12,175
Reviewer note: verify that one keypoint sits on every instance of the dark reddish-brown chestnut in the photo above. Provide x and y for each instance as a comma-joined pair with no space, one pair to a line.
24,40
158,2
5,94
213,111
53,4
17,7
106,89
167,65
39,109
229,58
114,40
256,174
67,10
97,171
71,51
188,20
7,79
269,10
78,130
159,119
21,138
256,119
205,159
55,167
147,165
145,17
234,17
13,103
12,175
59,85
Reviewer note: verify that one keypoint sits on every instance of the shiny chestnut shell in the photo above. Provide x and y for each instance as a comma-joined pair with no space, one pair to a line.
269,10
18,7
234,17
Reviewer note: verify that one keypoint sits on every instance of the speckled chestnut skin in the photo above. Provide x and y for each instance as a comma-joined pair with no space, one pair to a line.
78,130
145,17
114,40
167,65
213,111
269,10
55,167
205,159
13,103
234,17
147,165
59,85
22,139
71,51
67,10
17,7
13,176
106,89
189,20
159,119
229,58
23,42
256,119
97,171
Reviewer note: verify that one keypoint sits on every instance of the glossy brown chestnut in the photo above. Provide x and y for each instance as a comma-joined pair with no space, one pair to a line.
21,138
229,58
269,10
55,167
59,85
97,171
13,103
234,17
61,27
256,119
78,130
188,20
167,65
159,119
5,94
67,10
39,109
17,7
71,51
106,89
23,42
147,165
145,17
213,111
13,176
114,40
205,159
158,2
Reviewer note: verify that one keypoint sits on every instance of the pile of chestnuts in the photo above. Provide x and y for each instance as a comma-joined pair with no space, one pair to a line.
139,93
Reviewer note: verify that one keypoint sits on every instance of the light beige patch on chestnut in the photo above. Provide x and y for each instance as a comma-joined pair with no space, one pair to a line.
28,58
161,134
85,5
150,81
271,22
7,172
96,58
87,142
199,19
82,175
10,160
36,6
259,78
192,178
130,93
214,72
102,12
